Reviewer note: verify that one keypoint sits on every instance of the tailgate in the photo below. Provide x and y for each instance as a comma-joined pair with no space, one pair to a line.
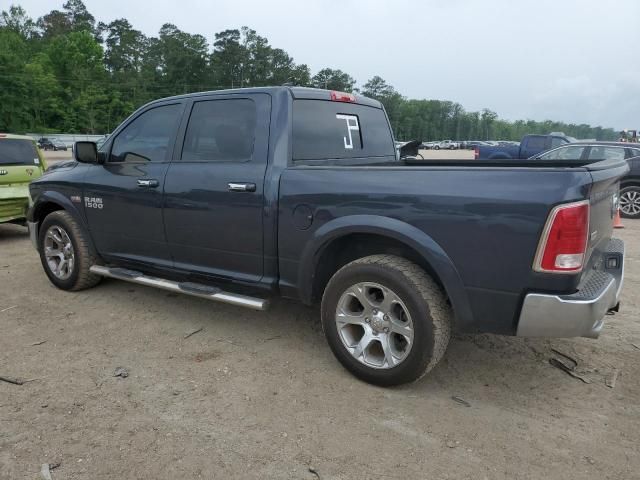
603,198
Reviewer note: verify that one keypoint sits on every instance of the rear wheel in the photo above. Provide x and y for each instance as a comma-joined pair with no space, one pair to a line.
630,201
65,252
386,320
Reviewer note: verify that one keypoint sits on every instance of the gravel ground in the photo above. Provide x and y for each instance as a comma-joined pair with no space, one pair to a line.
259,395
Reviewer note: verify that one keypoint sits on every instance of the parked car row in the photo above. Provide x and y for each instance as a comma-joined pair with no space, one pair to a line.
629,199
48,144
465,144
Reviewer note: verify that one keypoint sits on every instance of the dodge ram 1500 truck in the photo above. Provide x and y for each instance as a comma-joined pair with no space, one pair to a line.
242,195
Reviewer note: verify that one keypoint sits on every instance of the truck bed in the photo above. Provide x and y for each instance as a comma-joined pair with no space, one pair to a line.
486,217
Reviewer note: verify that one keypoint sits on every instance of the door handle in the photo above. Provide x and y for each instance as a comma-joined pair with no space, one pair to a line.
242,187
152,183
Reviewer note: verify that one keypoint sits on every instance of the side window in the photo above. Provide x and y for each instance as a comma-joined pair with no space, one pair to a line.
556,142
606,153
635,152
565,153
147,138
221,131
536,143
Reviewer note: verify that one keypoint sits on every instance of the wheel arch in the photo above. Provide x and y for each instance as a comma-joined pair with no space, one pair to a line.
48,202
345,239
630,182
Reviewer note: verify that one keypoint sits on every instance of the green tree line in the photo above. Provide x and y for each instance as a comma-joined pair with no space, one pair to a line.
67,72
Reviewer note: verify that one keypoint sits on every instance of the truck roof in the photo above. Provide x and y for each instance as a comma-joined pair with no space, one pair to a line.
296,92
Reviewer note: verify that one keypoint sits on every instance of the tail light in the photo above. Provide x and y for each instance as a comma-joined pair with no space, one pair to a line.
343,97
564,241
476,153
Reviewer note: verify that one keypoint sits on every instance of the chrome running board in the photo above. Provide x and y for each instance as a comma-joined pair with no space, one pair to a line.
186,288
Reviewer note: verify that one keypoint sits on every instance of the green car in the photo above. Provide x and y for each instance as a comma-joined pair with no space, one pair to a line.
20,162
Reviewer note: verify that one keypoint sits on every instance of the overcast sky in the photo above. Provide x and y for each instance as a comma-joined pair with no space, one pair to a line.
570,60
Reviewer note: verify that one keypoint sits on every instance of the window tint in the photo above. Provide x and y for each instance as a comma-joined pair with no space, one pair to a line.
564,153
220,131
147,138
15,151
556,142
635,152
537,143
606,153
337,130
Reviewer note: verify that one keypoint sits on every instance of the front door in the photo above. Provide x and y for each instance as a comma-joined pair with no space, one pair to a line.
213,207
123,196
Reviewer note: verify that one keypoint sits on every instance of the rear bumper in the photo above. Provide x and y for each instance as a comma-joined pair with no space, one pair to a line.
13,208
14,202
580,314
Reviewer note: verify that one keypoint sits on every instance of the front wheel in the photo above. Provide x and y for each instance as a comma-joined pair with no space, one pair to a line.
630,201
65,252
437,147
386,320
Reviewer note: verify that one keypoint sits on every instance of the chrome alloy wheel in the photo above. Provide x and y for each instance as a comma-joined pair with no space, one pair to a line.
58,251
374,325
630,202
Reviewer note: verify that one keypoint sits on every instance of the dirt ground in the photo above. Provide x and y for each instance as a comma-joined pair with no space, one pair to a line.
259,395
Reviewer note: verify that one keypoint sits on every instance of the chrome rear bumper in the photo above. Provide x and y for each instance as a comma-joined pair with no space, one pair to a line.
580,314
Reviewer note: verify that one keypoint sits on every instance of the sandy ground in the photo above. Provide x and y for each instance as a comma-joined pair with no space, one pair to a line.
259,395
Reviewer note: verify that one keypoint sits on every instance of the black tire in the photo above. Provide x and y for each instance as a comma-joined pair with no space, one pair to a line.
437,147
626,192
80,277
424,300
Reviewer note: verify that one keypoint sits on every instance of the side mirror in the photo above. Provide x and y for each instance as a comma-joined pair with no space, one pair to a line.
85,152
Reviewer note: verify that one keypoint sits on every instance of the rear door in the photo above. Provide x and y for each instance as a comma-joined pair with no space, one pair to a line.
213,210
123,196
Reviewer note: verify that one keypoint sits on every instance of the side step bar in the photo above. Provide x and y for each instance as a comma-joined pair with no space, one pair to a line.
187,288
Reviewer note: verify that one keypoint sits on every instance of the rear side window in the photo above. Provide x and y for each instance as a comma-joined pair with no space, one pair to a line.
635,152
337,130
221,131
15,151
573,152
606,153
147,138
537,143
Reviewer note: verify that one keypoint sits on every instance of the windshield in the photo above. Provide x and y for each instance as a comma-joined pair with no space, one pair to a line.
15,151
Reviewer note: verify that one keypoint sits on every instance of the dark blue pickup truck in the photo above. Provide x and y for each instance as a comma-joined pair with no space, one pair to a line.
241,195
529,146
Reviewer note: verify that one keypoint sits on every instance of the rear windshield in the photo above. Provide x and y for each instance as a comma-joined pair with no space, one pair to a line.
14,151
338,130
